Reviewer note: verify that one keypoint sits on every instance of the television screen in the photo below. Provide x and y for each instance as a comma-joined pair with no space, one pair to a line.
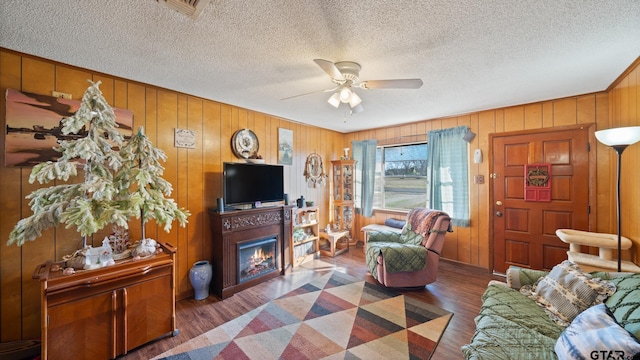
248,183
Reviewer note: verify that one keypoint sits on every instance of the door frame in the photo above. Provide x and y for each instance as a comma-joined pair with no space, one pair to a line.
592,165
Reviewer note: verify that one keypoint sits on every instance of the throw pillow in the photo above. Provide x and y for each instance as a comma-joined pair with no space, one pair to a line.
395,223
595,334
567,291
625,303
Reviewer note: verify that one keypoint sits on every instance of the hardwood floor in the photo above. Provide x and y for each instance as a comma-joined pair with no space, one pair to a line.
458,290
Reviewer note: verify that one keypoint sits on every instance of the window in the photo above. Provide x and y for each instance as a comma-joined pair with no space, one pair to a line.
401,177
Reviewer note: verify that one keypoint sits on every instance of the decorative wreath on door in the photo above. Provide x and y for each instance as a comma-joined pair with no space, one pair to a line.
314,171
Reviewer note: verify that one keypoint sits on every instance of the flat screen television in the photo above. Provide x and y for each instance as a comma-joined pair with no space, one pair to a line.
245,183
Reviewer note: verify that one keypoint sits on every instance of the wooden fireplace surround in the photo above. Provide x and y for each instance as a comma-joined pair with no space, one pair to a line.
231,228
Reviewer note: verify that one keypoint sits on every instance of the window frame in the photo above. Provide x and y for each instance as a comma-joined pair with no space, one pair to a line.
379,195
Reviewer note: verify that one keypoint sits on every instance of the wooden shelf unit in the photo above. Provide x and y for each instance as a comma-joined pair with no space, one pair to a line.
305,234
104,313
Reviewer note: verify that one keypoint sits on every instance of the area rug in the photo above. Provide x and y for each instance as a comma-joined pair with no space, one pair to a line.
334,316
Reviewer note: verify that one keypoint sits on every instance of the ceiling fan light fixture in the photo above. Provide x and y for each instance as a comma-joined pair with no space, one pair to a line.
355,100
345,94
356,109
334,100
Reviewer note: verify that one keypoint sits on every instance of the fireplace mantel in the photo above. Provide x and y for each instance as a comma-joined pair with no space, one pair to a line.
232,228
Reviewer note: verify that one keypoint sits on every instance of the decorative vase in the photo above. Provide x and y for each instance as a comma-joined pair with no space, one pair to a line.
200,278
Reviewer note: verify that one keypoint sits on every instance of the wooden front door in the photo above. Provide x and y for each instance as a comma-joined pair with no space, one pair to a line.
524,231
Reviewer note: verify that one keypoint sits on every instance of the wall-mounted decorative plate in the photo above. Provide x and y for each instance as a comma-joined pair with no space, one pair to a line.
244,144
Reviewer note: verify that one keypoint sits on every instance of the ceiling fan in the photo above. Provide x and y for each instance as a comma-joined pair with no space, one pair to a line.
346,76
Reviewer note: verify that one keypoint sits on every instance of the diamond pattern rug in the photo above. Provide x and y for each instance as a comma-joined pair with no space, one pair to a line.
334,316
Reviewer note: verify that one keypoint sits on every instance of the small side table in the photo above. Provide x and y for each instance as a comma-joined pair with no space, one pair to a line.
338,242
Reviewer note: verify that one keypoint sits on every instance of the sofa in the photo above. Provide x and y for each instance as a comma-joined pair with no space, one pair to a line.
516,322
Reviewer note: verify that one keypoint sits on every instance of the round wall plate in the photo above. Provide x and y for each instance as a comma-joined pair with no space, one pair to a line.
244,144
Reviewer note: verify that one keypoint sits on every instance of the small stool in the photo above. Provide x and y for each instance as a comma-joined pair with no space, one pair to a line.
335,244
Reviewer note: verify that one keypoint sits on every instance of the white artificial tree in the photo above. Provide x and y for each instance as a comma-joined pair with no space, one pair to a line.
91,204
141,182
115,187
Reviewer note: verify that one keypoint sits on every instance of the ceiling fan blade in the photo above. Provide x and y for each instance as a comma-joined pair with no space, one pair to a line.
330,68
391,84
309,93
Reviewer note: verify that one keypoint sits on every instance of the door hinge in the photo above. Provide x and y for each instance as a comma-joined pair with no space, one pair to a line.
589,209
588,147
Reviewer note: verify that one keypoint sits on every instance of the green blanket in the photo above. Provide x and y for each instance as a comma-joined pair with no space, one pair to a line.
511,326
400,252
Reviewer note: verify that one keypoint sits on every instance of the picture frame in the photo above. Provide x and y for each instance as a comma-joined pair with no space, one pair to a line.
285,146
34,123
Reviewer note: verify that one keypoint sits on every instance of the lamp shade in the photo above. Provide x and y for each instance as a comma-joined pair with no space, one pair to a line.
355,100
619,136
334,100
356,109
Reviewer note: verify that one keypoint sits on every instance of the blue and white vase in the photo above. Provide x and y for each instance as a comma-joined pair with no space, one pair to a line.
200,278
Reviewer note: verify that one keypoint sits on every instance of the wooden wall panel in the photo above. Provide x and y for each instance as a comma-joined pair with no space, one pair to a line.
181,196
10,208
195,185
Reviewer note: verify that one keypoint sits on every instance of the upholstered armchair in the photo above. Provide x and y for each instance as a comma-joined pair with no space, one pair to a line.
410,258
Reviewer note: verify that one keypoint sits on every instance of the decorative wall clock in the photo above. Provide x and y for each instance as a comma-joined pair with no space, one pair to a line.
244,144
314,171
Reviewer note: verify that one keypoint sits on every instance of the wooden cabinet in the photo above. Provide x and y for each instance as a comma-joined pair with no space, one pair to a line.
343,195
103,313
304,235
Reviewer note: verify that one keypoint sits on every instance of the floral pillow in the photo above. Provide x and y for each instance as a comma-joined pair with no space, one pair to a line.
567,291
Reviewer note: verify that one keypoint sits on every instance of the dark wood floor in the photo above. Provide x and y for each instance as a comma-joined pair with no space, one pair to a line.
458,290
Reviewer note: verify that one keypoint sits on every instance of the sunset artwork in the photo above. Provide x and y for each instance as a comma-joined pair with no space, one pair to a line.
34,127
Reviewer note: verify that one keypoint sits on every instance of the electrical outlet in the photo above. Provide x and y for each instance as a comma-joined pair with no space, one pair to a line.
478,179
61,95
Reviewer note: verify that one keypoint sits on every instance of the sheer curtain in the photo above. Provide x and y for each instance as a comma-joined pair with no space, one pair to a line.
447,171
364,153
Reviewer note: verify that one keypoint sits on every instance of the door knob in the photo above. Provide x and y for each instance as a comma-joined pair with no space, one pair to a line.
499,213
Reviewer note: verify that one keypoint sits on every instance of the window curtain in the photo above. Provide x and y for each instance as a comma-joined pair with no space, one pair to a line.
447,171
364,153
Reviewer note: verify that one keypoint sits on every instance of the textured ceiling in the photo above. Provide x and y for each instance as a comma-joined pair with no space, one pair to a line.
472,55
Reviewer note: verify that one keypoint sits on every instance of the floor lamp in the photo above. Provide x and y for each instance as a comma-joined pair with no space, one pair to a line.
619,139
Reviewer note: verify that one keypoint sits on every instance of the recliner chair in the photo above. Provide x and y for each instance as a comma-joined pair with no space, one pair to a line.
409,259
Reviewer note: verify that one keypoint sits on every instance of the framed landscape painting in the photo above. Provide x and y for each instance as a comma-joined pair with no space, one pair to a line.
34,126
285,146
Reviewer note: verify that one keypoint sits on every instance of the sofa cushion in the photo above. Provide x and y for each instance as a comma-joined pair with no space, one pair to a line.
625,303
567,291
595,331
511,326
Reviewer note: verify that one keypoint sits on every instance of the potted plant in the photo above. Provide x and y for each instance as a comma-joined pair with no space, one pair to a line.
113,190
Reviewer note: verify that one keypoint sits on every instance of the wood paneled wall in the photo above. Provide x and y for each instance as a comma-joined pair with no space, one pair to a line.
624,110
613,108
196,174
